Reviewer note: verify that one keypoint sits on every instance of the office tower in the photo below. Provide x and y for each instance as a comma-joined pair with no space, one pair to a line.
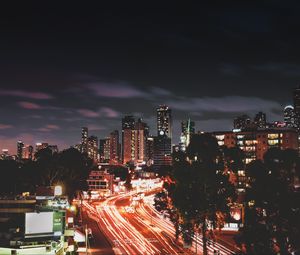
27,152
20,146
187,130
40,146
149,150
289,116
141,131
260,120
242,122
164,121
114,156
106,150
128,139
297,107
84,140
101,149
92,148
161,152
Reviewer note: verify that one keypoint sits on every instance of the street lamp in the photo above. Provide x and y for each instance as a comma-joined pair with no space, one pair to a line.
58,190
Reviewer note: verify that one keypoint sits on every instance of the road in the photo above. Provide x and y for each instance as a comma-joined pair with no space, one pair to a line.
138,231
147,211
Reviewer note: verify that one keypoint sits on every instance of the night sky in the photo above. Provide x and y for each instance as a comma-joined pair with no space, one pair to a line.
64,66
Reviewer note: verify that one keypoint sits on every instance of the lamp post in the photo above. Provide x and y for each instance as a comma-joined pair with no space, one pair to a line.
86,240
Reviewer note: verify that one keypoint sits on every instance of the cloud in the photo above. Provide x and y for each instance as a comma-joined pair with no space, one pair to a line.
88,113
48,128
233,104
109,112
93,127
160,92
25,94
29,105
53,127
102,112
5,126
113,90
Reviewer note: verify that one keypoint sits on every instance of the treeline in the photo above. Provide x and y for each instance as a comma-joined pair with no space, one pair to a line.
68,168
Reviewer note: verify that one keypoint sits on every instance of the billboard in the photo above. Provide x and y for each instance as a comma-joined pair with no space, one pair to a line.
44,223
38,223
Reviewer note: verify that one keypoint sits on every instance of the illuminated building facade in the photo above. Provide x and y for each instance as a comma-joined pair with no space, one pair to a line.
289,116
161,152
92,148
128,139
260,120
84,140
141,131
242,122
20,146
297,107
101,182
256,143
114,155
40,146
27,152
187,130
164,121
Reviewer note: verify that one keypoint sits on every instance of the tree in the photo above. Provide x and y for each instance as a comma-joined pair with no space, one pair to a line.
201,189
272,207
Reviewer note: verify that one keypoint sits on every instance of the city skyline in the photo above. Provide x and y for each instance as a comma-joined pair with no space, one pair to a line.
49,89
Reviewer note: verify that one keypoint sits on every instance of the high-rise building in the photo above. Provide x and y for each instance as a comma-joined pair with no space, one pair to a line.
27,152
101,150
114,156
141,133
149,150
289,116
40,146
297,106
242,122
187,130
106,150
164,121
20,146
128,139
84,140
161,152
92,148
260,120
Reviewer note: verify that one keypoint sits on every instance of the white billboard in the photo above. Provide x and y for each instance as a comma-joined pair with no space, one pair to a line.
38,223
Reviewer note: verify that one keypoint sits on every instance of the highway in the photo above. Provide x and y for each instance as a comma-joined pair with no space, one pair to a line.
139,229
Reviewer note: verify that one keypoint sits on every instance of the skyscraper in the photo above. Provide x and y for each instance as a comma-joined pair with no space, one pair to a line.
84,140
141,134
297,107
164,121
289,116
128,139
27,152
242,122
161,152
260,120
92,147
114,156
20,146
187,130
